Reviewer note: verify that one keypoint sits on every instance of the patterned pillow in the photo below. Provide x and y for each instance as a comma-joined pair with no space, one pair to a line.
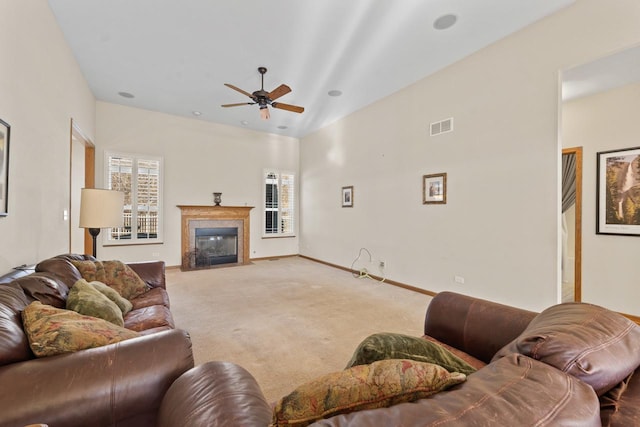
123,304
397,346
378,385
90,270
85,299
115,274
123,279
54,331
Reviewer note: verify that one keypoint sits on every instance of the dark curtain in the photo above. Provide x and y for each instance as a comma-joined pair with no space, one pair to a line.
568,181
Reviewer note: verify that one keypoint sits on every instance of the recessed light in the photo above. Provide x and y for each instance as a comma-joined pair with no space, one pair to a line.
196,113
445,21
282,127
244,123
335,92
126,95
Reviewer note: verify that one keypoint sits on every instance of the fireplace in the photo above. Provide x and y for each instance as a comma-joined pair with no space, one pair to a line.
214,236
215,246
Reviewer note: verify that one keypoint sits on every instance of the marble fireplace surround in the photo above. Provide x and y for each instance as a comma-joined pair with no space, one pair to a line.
212,217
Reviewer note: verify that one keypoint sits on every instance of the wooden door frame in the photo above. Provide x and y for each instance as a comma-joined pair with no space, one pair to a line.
577,275
89,176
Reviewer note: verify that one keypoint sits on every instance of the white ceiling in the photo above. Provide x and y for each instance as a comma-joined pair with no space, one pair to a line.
175,56
609,72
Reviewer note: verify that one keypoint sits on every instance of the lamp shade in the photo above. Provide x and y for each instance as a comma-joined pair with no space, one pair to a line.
101,208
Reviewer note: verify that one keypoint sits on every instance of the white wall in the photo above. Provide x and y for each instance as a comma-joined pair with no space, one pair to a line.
602,122
42,89
199,158
500,227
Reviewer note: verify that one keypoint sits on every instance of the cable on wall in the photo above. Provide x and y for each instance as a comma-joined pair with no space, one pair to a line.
363,273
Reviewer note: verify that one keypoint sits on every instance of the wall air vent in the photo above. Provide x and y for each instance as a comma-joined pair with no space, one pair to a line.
442,126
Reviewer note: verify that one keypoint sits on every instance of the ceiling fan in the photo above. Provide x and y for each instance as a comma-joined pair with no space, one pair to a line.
264,99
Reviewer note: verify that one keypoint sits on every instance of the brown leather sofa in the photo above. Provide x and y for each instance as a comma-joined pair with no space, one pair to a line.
508,389
118,384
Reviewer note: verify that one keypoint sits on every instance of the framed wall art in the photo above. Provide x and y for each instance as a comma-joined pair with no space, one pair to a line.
5,131
618,192
347,197
434,189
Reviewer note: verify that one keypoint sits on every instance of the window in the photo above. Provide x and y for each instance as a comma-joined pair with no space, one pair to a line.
140,179
279,203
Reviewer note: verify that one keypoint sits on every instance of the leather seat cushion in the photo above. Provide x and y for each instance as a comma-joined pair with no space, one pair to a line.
144,318
154,296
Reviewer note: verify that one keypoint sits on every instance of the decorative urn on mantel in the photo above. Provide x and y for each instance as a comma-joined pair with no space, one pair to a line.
217,198
194,217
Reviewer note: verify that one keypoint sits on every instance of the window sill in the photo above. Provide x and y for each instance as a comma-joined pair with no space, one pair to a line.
155,242
285,236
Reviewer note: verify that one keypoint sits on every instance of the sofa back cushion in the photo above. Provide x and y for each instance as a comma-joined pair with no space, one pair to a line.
474,326
61,268
14,346
596,345
44,287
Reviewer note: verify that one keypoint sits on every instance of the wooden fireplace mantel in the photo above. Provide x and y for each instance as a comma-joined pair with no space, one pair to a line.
195,212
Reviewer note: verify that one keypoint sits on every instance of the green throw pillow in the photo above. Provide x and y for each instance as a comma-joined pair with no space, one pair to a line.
85,299
123,304
397,346
378,385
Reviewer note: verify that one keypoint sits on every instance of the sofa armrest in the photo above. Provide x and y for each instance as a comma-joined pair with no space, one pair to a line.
475,326
118,384
152,272
215,394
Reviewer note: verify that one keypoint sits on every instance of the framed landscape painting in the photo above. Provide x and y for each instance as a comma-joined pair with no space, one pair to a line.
618,192
4,166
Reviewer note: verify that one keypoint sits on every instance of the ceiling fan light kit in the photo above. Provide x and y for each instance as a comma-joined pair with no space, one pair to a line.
264,98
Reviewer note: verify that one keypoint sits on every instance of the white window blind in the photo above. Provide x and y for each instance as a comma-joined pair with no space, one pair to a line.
279,203
140,179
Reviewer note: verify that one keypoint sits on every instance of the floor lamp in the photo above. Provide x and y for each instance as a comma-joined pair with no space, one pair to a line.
100,209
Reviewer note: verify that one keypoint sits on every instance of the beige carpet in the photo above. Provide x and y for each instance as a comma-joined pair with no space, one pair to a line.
288,320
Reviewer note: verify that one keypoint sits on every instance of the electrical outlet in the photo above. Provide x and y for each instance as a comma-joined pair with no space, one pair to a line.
155,254
382,264
459,279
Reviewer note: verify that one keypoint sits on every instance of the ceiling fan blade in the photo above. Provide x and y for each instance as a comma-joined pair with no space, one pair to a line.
238,104
279,91
239,90
287,107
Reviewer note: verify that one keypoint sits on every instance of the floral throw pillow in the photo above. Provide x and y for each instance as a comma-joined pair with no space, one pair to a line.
90,270
54,331
378,385
123,279
116,274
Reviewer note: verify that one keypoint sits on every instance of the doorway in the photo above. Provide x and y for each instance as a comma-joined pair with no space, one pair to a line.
82,175
571,217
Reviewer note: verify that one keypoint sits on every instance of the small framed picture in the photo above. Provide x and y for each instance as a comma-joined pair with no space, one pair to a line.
434,188
4,167
347,197
618,193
